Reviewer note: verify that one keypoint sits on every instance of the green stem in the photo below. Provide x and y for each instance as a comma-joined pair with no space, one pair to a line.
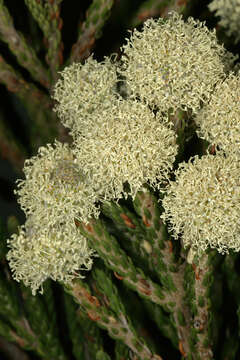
18,45
55,47
131,234
202,320
15,325
115,259
97,14
101,312
84,333
49,21
170,271
16,84
42,324
166,327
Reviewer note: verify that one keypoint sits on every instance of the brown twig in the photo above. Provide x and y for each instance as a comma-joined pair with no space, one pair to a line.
15,83
90,30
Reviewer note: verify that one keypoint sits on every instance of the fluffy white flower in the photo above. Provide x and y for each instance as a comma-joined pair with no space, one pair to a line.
203,204
128,144
172,64
84,89
55,187
219,121
38,253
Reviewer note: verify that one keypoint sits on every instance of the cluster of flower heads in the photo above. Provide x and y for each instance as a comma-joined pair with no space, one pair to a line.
53,195
229,13
202,205
169,65
117,140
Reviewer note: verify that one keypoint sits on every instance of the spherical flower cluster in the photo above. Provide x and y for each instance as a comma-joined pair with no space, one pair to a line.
37,253
54,193
219,121
229,13
129,144
55,187
83,89
203,204
173,64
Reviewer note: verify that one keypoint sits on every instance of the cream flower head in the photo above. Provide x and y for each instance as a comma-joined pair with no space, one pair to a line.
128,144
55,187
38,253
219,120
203,204
172,64
229,13
84,89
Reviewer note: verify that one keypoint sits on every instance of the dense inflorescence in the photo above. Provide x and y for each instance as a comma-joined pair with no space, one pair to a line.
128,144
38,253
172,64
218,121
202,206
55,188
83,90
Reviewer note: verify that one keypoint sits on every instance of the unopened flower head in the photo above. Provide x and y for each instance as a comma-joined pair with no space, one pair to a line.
83,89
39,253
172,64
219,121
229,13
130,144
203,204
55,187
